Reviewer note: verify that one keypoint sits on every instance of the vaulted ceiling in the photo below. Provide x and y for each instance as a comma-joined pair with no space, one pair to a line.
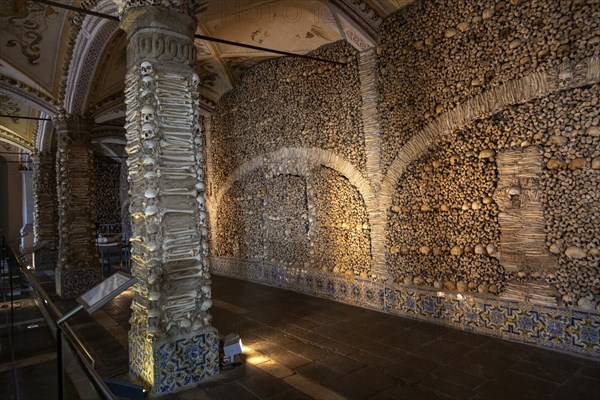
37,41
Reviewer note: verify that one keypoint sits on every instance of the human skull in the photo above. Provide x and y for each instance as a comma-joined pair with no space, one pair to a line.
147,114
146,68
195,79
149,162
148,131
202,216
201,203
150,144
147,81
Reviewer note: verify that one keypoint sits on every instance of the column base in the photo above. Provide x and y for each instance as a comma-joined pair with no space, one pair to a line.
175,363
45,260
71,284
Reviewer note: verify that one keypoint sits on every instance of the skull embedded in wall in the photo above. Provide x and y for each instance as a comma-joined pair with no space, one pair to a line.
147,81
147,114
195,79
146,68
148,131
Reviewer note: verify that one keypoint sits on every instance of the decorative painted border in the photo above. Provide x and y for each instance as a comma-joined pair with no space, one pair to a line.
361,292
554,328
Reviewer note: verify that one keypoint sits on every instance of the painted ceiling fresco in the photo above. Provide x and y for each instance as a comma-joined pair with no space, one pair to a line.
31,40
33,45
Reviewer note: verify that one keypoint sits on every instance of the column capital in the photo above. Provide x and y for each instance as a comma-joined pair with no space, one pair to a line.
180,6
162,36
73,130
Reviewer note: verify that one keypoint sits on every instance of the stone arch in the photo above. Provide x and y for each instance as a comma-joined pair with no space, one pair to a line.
300,160
92,39
39,101
533,86
305,157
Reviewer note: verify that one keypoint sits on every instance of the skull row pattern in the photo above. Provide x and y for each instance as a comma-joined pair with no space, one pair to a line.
169,242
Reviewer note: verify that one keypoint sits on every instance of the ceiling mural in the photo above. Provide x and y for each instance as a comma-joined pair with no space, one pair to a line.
31,36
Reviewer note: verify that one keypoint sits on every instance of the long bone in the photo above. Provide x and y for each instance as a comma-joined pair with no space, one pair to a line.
131,114
174,76
164,115
177,156
170,124
173,102
181,253
180,243
175,192
171,85
181,307
175,139
173,174
177,136
180,147
175,116
186,236
169,259
179,287
132,148
174,241
179,277
175,211
181,230
175,297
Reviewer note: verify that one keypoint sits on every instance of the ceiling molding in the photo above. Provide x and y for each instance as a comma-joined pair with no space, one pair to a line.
15,140
92,39
360,22
43,137
109,108
35,98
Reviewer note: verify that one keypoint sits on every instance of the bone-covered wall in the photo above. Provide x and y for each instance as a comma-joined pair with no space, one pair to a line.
433,56
290,103
496,203
108,189
485,131
446,222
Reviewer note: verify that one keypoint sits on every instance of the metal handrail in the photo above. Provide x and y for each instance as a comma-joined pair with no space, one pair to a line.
74,341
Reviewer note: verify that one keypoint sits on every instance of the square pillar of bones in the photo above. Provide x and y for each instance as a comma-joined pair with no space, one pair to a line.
172,345
45,213
78,267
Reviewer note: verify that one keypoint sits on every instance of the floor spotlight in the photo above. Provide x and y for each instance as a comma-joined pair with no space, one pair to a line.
232,346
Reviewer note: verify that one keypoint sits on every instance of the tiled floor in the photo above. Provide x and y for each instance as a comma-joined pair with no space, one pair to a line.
300,347
303,347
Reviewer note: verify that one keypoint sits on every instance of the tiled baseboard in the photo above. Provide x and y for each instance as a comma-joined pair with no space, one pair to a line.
554,328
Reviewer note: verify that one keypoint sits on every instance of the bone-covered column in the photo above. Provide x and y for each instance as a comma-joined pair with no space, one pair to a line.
78,267
171,342
45,212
